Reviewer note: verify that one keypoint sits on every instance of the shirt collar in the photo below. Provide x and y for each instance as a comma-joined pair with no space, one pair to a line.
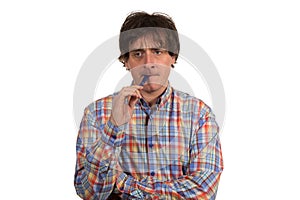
162,100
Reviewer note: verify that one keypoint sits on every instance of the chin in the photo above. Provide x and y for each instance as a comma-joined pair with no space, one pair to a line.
152,87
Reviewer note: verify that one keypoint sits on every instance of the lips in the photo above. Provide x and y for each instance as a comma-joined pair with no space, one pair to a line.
148,75
146,78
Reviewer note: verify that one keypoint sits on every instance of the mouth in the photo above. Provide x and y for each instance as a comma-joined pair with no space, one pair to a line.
146,77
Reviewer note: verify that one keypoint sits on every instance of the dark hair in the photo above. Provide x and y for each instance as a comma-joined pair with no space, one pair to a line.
159,26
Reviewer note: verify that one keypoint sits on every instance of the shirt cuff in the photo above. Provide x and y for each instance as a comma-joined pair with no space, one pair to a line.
127,185
113,135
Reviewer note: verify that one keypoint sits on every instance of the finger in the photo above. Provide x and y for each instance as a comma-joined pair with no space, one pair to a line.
133,101
138,93
133,87
137,86
130,91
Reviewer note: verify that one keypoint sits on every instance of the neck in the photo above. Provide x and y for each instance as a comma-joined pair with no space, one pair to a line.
151,97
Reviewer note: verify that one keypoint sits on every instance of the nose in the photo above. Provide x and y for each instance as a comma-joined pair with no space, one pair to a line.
149,60
149,57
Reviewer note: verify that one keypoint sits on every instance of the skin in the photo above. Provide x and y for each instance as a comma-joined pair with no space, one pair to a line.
156,63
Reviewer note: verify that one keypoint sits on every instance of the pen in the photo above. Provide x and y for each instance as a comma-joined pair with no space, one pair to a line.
144,80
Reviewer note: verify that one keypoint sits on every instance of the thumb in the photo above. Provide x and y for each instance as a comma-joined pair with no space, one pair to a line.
133,101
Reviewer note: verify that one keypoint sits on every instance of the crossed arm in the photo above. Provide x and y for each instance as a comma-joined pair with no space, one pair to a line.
98,172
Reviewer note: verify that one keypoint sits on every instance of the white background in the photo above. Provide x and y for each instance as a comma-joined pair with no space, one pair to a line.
255,46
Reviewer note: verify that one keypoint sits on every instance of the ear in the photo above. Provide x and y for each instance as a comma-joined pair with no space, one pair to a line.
173,60
126,65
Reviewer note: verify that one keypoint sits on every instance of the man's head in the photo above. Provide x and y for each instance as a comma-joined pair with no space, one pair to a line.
157,31
149,46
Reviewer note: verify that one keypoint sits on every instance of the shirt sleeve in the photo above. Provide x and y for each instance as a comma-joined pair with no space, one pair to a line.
98,145
203,171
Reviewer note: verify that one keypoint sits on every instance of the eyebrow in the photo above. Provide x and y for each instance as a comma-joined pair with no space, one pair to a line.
135,50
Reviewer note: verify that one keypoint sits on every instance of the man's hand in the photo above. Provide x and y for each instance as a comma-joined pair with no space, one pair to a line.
123,104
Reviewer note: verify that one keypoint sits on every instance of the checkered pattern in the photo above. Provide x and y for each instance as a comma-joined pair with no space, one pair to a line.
169,151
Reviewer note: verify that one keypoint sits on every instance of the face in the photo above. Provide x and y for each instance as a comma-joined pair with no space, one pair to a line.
149,64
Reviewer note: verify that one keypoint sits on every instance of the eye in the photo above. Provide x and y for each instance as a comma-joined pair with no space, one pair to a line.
158,51
137,54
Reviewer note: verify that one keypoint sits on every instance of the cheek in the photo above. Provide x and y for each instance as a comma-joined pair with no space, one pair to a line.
169,61
130,63
135,76
166,73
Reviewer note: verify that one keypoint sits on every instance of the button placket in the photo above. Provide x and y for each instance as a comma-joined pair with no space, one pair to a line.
150,133
151,143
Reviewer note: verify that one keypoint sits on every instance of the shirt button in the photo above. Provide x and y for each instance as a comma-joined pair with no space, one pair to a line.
152,173
114,136
150,145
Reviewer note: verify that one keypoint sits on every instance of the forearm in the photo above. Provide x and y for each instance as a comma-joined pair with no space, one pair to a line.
200,181
196,186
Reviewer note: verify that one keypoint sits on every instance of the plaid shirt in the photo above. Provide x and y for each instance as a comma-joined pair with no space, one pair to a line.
169,151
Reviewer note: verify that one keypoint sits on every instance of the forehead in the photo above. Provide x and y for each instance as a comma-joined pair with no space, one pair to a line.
149,41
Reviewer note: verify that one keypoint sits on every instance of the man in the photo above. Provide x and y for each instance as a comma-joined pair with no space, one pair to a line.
148,141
